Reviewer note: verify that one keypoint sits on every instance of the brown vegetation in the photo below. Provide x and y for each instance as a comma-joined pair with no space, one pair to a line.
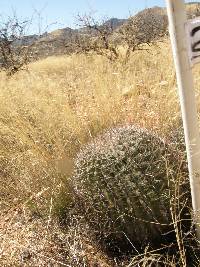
63,102
46,116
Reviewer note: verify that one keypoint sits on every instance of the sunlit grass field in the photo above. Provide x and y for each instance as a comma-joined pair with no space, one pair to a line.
60,103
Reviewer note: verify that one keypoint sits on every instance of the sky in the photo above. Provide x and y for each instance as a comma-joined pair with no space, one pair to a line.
62,13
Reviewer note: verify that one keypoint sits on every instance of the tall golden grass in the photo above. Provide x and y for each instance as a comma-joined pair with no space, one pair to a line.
60,103
48,112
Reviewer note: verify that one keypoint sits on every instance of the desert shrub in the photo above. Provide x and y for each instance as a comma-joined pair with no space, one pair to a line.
125,181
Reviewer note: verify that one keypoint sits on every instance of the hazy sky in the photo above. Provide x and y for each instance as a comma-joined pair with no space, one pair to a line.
64,11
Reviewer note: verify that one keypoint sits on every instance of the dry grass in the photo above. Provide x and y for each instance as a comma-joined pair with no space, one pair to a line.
27,240
46,114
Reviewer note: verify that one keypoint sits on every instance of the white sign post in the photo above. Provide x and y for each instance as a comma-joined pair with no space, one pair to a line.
192,28
179,39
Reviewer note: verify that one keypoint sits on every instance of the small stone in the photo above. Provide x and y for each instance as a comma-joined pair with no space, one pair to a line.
25,255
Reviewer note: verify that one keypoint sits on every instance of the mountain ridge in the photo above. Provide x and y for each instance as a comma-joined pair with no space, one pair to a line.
58,41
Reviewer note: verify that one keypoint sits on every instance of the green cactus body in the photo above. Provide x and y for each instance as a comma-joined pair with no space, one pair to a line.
124,179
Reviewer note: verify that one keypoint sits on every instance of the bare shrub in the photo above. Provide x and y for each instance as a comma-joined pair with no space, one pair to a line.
146,27
104,39
95,37
17,47
14,47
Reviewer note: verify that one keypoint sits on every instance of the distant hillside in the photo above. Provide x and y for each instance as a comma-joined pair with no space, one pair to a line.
59,34
192,3
58,41
115,23
148,24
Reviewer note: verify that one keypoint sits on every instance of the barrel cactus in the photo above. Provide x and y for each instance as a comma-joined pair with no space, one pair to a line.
124,180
